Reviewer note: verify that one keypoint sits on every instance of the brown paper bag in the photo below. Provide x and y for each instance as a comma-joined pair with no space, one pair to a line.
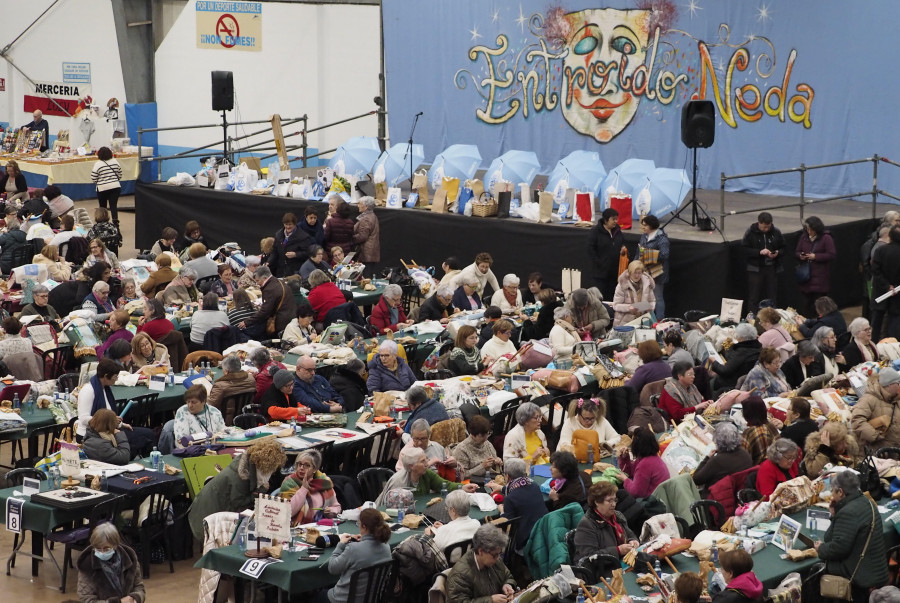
451,186
501,186
381,192
420,185
439,205
383,403
477,187
546,208
618,582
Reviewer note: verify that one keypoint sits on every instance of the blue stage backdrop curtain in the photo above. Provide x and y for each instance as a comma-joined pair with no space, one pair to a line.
143,115
807,81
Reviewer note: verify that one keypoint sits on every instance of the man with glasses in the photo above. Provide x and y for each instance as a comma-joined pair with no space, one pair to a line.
314,390
420,437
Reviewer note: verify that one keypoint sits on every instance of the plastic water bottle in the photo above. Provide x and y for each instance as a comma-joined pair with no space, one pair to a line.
251,532
242,537
294,424
580,598
156,459
401,512
67,394
55,392
444,490
171,378
191,369
487,477
16,403
29,405
714,553
591,454
104,482
657,567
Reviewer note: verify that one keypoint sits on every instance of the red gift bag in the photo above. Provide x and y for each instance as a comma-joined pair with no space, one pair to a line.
622,204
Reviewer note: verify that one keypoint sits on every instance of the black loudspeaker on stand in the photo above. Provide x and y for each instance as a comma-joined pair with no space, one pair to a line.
223,100
698,130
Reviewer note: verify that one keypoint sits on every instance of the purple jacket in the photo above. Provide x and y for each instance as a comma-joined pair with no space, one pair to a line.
648,373
119,334
820,270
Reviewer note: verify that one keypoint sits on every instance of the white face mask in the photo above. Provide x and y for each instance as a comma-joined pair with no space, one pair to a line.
104,556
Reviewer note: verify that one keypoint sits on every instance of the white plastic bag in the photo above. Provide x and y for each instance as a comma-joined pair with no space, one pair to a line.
182,179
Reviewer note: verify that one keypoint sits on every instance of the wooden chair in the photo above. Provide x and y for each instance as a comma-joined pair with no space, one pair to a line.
214,358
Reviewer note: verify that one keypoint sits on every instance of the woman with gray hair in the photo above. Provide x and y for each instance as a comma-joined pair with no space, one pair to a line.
413,472
480,574
366,234
208,317
509,298
740,358
389,372
108,570
728,457
861,348
461,526
234,381
310,491
782,464
589,315
436,306
563,335
388,313
323,295
317,261
825,341
41,307
98,302
853,546
466,295
420,437
521,498
526,440
424,407
181,289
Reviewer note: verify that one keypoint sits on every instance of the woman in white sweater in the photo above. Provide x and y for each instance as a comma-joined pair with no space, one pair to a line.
480,269
563,335
508,299
500,343
588,413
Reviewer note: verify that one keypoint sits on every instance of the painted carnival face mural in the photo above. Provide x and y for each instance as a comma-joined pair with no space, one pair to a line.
605,48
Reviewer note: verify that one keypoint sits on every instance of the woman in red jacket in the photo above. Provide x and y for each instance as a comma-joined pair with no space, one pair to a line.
680,396
324,295
388,312
782,464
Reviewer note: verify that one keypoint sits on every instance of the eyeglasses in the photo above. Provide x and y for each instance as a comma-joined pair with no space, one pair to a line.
304,368
385,355
304,466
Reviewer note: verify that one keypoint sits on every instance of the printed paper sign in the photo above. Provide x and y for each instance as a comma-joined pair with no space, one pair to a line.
229,25
14,514
254,567
77,72
66,95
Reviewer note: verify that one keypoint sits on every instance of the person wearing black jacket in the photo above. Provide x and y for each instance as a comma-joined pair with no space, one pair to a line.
19,188
291,248
886,274
763,247
348,382
739,359
545,321
799,424
605,245
803,365
39,123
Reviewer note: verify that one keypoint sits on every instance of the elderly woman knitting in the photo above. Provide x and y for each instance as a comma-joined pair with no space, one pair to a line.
563,335
461,526
388,313
766,377
389,372
420,437
782,464
728,457
680,396
310,491
416,475
526,440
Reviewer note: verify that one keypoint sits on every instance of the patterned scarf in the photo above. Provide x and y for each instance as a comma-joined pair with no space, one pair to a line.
686,397
518,483
112,571
511,298
614,523
319,484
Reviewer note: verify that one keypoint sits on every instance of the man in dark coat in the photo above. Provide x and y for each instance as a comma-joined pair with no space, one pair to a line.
763,247
740,359
348,381
885,275
803,365
277,300
605,245
39,123
291,247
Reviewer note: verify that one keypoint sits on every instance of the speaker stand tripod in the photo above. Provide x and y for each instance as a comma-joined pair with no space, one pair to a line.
705,222
225,153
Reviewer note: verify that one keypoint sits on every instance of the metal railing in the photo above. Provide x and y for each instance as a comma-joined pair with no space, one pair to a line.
802,202
227,142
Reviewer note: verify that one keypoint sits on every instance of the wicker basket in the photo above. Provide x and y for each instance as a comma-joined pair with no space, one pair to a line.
485,207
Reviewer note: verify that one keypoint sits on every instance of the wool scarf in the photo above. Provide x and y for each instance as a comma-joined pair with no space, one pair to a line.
686,397
319,484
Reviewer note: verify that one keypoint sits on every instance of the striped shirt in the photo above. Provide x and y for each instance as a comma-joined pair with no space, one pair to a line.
106,174
238,315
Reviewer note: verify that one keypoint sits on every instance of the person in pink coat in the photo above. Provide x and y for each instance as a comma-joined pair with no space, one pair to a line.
645,470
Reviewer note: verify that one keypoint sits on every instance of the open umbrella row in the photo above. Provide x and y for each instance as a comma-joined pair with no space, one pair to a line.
659,191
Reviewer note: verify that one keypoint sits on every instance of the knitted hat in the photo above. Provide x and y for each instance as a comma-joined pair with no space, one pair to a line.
282,378
888,376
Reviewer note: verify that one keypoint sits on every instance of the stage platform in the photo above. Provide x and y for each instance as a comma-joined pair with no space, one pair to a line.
705,266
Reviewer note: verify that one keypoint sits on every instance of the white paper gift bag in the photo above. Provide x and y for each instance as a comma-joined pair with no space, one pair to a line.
394,198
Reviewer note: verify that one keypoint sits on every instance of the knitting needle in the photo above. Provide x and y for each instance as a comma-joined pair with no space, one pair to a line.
608,585
587,591
669,561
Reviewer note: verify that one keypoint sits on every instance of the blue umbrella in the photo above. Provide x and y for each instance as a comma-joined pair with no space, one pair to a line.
581,170
456,161
661,192
395,165
625,176
512,166
355,157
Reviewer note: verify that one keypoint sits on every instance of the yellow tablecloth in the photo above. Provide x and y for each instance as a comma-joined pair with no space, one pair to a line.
75,172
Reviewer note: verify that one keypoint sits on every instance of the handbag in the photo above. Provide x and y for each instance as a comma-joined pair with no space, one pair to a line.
839,587
803,272
645,332
270,322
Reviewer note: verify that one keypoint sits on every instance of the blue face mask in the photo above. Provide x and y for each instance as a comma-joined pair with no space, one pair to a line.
104,556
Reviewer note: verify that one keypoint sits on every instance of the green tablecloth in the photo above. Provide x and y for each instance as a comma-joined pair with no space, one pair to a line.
295,575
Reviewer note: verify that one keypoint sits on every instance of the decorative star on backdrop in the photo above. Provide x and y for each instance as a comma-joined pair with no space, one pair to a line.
495,16
474,32
762,13
720,65
522,19
693,6
751,38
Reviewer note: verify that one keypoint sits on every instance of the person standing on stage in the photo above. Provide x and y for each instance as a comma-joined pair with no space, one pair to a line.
39,123
605,246
763,246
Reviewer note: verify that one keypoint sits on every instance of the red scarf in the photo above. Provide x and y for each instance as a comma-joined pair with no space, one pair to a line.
617,528
511,298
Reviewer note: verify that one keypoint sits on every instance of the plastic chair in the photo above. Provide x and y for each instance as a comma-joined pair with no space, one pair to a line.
585,574
22,255
231,404
328,457
199,469
140,411
67,381
372,584
893,562
14,479
747,495
372,481
684,530
809,588
437,374
78,538
458,549
203,284
550,430
570,545
249,420
356,456
51,435
709,514
154,527
382,445
252,408
511,528
59,359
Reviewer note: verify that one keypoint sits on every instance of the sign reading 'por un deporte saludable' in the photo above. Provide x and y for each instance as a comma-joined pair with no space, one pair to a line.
229,25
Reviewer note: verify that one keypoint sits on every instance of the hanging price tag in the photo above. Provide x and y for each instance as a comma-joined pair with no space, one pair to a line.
14,508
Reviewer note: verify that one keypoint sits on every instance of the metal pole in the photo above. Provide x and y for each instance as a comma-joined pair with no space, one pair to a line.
874,186
140,148
305,139
382,90
722,200
802,189
224,136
